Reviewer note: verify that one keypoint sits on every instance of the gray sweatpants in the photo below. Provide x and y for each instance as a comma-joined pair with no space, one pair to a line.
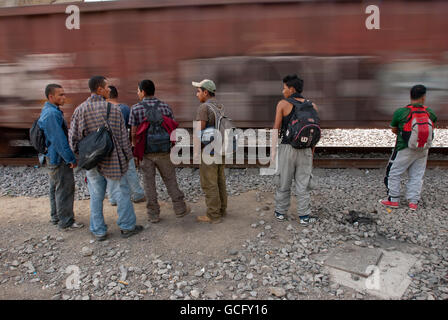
294,164
413,161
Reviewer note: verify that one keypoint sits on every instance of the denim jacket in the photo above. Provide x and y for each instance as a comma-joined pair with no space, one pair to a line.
51,121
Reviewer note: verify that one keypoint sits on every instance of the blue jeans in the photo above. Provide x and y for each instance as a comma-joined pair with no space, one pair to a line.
131,176
119,189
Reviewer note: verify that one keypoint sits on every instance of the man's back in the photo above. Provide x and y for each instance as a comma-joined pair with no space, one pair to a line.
90,116
138,111
400,118
205,113
125,110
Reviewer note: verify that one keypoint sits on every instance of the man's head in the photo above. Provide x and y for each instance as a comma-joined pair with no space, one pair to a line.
418,94
55,94
292,84
146,88
205,90
113,92
98,85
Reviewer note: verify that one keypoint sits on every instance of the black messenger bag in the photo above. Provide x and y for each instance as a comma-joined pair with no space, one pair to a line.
96,146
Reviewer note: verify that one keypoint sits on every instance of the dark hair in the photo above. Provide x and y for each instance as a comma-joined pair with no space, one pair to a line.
50,89
294,81
113,92
418,91
211,94
147,86
96,82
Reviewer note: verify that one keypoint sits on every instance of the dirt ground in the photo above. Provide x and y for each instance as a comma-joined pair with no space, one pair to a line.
26,220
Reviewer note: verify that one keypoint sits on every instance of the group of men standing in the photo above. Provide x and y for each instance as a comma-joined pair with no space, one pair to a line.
117,175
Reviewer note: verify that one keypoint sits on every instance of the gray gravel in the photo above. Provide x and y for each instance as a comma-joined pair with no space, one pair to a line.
276,264
371,137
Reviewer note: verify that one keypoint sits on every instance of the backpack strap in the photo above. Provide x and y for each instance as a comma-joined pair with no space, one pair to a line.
413,109
215,111
109,106
147,107
297,103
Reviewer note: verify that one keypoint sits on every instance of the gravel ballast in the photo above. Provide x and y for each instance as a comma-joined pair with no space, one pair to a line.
276,260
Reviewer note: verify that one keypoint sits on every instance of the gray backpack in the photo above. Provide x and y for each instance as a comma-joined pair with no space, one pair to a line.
225,127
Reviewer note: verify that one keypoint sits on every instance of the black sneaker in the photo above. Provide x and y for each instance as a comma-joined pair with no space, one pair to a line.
279,216
101,238
308,219
129,233
54,222
74,226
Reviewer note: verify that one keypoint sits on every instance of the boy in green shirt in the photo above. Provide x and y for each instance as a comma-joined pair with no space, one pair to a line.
406,159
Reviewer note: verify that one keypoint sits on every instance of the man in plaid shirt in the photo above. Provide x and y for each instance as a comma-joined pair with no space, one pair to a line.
151,161
87,118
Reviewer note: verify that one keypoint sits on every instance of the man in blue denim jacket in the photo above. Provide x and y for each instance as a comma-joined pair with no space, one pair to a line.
60,159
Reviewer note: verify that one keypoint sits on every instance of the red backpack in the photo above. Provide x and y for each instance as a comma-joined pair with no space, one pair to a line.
418,130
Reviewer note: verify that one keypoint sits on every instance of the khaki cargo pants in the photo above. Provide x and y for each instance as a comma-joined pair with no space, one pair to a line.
213,183
167,171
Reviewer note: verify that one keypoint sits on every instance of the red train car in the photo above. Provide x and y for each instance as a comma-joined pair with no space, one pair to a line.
356,76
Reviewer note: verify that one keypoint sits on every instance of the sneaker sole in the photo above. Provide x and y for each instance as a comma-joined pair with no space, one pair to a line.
131,233
393,207
101,238
211,221
187,212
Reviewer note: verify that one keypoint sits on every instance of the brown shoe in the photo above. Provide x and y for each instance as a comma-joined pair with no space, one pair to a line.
153,219
139,200
187,211
207,219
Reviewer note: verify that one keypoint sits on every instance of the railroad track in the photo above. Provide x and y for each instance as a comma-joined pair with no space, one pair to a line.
325,157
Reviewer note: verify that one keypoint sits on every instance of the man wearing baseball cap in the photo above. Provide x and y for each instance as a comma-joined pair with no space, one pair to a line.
213,180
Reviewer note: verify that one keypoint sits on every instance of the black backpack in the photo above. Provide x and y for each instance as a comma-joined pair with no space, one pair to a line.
303,129
37,138
157,138
96,146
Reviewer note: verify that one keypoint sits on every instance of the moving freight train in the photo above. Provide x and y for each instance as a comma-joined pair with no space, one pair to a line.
356,75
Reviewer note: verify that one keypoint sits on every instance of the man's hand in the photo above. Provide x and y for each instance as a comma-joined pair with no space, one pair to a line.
196,158
73,165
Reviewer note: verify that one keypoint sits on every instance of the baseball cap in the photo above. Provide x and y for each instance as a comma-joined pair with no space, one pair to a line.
206,84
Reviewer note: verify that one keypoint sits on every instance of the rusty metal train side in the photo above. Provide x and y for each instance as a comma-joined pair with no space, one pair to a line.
356,76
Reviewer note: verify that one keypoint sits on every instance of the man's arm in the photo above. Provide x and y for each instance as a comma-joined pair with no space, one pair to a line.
134,135
396,120
74,135
277,126
55,134
432,115
124,141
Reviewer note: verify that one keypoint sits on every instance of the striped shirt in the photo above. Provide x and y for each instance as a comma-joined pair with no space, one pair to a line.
87,118
138,110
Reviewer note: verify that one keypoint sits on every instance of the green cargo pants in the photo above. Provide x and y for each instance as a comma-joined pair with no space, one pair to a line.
213,183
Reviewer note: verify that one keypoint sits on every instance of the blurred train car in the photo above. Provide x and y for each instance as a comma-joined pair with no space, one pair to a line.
356,76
